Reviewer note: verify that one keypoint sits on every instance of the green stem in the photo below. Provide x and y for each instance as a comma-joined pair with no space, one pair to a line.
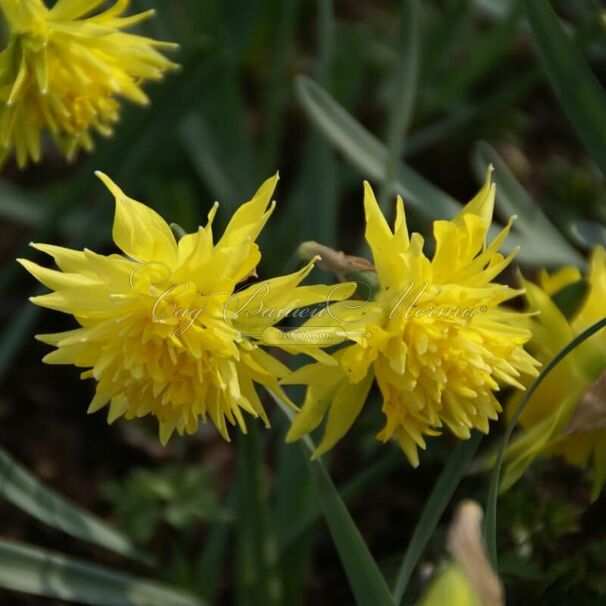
490,524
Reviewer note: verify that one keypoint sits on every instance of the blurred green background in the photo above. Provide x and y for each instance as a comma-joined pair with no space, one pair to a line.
417,97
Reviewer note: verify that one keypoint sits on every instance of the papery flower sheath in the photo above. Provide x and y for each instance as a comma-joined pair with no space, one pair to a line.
64,71
162,329
566,416
469,579
435,336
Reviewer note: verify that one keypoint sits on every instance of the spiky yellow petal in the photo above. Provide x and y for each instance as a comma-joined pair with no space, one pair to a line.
162,330
435,336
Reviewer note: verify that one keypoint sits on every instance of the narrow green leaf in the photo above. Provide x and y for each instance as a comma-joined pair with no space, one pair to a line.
294,494
365,579
294,498
579,91
26,492
496,10
484,55
358,485
368,154
465,114
405,93
540,241
52,575
211,560
222,151
451,476
445,33
490,522
198,140
276,93
319,165
588,234
257,581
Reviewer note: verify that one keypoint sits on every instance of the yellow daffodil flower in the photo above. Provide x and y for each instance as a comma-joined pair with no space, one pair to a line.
566,416
64,69
435,336
163,330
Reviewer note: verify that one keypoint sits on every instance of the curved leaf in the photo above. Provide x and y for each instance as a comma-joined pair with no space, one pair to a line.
541,242
447,483
577,88
257,579
39,572
365,579
26,492
367,153
405,93
588,234
490,525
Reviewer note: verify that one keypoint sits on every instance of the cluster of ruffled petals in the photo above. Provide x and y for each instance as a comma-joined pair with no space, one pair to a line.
164,328
566,416
64,70
435,336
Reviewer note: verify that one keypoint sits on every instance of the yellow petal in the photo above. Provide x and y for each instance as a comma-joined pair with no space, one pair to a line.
552,283
56,280
248,221
345,407
323,381
385,247
66,259
140,231
482,204
556,331
65,10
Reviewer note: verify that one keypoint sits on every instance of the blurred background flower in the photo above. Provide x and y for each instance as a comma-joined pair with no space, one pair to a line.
64,70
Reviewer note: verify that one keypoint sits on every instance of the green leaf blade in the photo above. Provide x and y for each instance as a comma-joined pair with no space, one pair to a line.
442,493
26,492
257,579
490,522
44,573
366,580
368,154
583,99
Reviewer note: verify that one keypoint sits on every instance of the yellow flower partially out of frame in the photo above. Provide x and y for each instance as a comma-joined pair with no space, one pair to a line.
162,329
436,336
64,70
562,418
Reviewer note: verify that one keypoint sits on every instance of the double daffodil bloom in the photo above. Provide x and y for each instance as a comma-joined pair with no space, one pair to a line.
566,416
162,329
64,70
435,336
